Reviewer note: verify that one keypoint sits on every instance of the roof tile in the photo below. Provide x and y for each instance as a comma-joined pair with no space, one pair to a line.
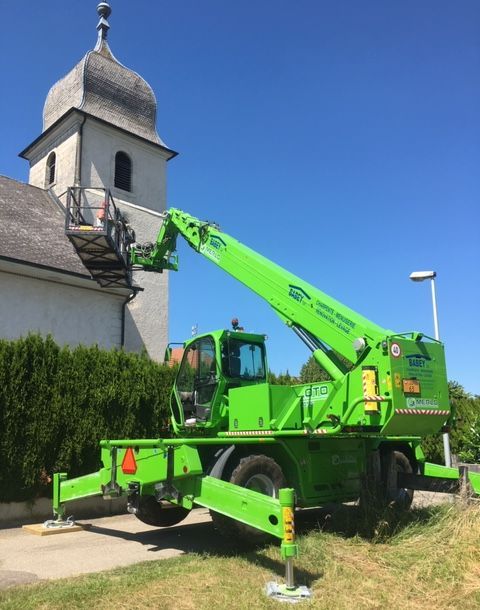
32,228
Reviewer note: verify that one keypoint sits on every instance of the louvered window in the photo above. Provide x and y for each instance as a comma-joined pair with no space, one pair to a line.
123,171
50,173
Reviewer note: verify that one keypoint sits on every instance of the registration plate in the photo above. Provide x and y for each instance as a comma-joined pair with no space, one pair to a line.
411,386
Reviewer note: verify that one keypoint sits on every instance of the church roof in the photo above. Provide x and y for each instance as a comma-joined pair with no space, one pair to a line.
32,229
102,87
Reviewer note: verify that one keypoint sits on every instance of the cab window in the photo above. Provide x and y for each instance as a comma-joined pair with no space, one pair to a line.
243,360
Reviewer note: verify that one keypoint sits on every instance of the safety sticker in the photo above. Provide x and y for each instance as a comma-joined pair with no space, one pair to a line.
395,350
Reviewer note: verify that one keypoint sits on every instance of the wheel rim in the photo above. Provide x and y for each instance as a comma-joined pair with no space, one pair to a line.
261,484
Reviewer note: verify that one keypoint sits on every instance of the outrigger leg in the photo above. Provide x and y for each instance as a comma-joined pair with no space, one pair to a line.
177,476
59,520
288,592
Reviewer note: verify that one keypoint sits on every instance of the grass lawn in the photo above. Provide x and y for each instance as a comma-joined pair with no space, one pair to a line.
431,559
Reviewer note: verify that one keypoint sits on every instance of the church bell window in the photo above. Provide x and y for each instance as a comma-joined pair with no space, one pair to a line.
50,173
123,171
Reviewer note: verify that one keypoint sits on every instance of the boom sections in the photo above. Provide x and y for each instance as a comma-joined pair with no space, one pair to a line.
316,317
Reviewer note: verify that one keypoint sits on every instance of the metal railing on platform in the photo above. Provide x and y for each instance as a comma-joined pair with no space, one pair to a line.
100,234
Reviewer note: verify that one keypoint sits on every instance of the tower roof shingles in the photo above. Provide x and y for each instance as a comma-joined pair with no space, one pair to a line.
102,87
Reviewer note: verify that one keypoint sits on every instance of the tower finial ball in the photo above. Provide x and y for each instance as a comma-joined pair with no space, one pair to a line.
104,10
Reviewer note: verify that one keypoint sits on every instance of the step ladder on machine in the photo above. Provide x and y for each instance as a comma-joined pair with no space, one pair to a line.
100,235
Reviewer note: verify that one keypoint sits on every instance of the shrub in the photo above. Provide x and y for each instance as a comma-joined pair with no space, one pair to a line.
56,404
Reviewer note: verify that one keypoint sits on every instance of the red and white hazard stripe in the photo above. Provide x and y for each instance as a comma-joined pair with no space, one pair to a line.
373,398
250,433
421,412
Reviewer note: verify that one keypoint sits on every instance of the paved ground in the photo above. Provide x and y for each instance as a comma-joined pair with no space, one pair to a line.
110,542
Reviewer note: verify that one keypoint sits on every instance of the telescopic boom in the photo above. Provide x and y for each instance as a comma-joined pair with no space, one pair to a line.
324,324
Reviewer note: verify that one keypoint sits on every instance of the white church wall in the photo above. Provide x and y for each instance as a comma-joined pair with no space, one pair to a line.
72,315
100,145
63,142
147,319
146,323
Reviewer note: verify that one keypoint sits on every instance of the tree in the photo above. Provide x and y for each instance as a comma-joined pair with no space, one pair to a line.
282,379
465,434
312,372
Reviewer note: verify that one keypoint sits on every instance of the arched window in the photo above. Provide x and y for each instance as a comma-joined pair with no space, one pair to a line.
123,171
50,172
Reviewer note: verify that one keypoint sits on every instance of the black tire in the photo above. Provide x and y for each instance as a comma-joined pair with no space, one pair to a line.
372,496
398,498
154,513
258,473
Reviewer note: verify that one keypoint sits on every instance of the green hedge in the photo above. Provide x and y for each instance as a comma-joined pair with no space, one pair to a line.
465,434
56,404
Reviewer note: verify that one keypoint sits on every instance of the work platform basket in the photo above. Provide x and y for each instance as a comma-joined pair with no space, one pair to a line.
100,235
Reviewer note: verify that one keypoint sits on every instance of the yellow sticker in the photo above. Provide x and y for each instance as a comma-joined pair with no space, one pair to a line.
288,524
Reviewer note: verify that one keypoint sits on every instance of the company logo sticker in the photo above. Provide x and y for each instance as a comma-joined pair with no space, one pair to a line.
217,242
298,293
422,403
418,360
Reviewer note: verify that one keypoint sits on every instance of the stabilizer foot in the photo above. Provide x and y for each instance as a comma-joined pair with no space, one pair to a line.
57,526
59,523
291,595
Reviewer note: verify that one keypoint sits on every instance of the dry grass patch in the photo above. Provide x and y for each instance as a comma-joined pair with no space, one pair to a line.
427,560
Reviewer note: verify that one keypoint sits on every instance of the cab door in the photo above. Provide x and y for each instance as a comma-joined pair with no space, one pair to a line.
197,380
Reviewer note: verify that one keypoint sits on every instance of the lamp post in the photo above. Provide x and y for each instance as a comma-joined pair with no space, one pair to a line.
420,276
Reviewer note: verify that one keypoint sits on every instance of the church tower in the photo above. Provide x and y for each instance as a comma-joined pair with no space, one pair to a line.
99,130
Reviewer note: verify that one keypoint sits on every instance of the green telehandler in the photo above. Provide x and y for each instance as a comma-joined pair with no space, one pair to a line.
251,451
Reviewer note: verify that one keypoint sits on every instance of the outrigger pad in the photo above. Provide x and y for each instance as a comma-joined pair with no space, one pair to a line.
282,593
40,529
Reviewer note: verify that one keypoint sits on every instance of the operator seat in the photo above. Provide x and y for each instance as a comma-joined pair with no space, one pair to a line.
231,362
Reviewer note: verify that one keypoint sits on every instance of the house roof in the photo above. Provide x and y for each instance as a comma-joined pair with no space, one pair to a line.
32,229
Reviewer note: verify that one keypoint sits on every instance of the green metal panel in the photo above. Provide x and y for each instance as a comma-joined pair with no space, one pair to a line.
286,408
317,402
322,469
435,470
81,487
421,413
249,507
151,462
187,479
249,408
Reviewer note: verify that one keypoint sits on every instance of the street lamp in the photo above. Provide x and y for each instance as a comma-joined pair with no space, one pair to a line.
420,276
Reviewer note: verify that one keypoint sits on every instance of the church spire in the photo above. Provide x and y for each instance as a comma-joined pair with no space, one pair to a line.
104,11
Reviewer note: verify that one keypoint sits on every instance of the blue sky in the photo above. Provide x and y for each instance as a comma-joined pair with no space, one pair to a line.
339,139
